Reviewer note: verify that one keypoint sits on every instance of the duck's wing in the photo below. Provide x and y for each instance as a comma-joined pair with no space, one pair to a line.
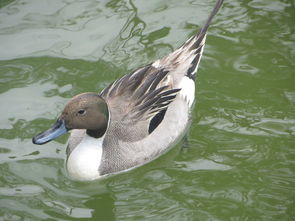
138,101
135,99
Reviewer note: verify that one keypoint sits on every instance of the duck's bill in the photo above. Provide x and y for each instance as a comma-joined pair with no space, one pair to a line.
55,131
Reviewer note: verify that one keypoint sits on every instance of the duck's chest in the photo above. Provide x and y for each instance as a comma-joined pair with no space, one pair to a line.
84,161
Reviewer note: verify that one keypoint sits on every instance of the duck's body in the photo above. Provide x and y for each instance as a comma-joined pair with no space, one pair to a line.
115,155
135,119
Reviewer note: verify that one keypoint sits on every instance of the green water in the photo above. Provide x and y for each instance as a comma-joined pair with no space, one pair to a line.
238,162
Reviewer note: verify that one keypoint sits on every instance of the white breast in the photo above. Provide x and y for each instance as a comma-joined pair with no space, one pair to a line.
84,160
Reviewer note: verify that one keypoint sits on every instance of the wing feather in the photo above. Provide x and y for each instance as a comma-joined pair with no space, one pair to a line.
136,98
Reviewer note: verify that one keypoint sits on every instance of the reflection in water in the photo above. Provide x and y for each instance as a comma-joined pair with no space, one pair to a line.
57,28
132,38
103,206
240,155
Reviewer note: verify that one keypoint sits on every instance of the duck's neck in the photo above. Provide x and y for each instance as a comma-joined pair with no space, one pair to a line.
96,133
100,132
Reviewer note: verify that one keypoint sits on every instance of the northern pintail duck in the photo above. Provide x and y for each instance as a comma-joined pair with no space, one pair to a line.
133,120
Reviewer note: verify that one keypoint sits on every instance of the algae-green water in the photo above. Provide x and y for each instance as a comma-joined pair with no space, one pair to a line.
238,160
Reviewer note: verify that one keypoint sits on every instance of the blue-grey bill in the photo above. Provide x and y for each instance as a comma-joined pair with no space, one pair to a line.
55,131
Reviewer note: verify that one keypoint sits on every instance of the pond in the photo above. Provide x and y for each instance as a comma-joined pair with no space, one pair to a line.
237,161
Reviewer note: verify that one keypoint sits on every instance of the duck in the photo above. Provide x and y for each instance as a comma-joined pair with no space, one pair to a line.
135,119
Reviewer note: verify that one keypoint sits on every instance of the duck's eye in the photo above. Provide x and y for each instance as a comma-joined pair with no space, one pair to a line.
82,111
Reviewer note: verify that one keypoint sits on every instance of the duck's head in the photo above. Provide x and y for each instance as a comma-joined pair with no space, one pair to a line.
85,111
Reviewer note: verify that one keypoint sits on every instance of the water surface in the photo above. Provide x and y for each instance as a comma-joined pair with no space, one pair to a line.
238,160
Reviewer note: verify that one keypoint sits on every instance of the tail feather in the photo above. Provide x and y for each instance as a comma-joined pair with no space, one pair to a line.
197,39
213,13
197,42
185,60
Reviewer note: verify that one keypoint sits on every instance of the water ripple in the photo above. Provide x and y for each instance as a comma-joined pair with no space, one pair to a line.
237,162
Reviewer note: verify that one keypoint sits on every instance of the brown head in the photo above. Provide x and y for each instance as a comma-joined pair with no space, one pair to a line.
85,111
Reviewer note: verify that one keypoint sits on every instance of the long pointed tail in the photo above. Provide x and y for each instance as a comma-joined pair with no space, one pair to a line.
185,60
197,42
213,13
